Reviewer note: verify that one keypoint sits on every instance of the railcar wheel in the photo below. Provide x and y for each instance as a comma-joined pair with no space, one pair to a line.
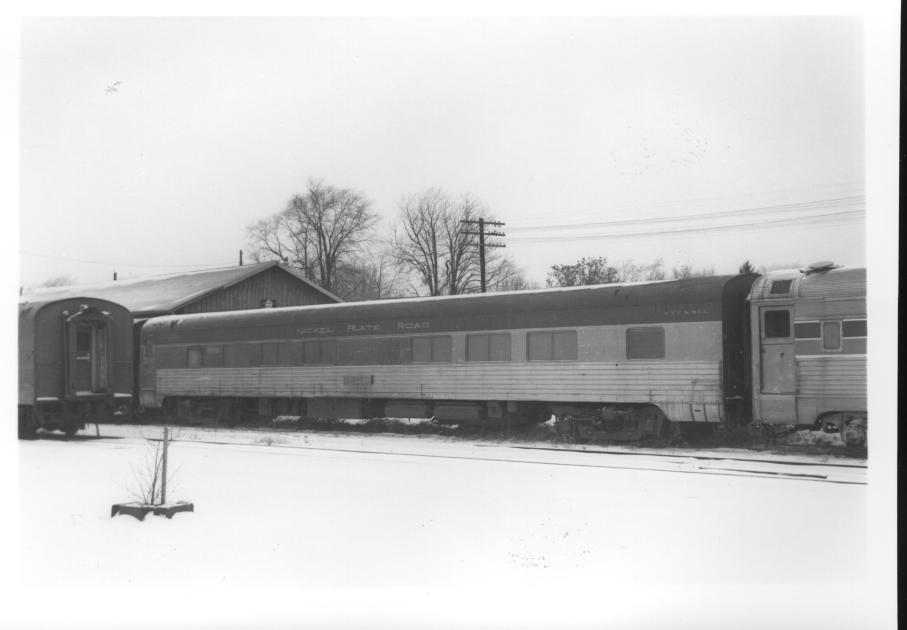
651,423
565,426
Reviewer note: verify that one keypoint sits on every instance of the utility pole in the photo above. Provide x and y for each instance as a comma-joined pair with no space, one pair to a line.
482,244
164,467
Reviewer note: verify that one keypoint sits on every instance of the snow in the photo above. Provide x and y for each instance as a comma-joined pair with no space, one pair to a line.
379,518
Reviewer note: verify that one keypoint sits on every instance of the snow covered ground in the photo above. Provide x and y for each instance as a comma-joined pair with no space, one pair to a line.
335,530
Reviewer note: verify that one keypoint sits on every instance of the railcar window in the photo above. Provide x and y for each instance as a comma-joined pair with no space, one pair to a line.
241,355
854,328
213,356
434,349
490,347
365,351
831,335
558,345
83,342
646,343
319,352
270,354
780,287
289,353
194,357
807,330
777,324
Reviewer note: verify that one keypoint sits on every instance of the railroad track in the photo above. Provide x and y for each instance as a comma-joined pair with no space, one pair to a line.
850,473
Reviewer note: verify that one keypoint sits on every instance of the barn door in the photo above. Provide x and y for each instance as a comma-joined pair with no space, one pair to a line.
778,379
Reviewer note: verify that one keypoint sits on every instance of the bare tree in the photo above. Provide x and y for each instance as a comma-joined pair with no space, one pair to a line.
431,243
148,477
630,271
374,278
418,242
318,232
507,276
687,271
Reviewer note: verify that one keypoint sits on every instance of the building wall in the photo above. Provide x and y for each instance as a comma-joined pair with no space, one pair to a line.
274,284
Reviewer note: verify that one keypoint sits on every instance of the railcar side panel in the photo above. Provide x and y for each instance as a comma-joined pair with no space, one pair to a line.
811,332
686,383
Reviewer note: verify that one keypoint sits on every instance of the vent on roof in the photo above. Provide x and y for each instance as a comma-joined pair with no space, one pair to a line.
819,267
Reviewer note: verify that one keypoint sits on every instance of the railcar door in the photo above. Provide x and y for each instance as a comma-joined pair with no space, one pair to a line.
778,378
89,350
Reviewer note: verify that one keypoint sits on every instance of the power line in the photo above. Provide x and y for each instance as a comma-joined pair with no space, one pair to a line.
809,206
829,191
117,264
835,217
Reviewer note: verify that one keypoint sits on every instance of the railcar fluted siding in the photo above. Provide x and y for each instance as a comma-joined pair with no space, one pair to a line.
835,376
844,283
692,381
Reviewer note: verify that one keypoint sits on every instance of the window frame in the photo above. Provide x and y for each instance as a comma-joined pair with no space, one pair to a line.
552,335
201,357
786,283
840,346
430,340
855,319
810,321
213,350
320,343
790,323
664,342
266,348
487,337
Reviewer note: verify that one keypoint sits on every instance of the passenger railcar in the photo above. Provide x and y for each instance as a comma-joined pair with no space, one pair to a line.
634,356
811,332
75,362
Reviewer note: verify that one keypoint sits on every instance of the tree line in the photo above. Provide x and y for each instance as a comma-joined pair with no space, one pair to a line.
333,236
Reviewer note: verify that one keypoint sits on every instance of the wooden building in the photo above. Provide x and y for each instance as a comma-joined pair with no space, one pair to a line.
262,285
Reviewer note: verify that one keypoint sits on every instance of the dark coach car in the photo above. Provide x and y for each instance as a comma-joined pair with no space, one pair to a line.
75,362
645,354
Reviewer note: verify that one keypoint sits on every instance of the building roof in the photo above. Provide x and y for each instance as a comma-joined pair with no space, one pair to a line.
165,294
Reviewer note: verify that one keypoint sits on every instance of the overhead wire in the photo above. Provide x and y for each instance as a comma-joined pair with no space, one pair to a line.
119,264
829,218
802,207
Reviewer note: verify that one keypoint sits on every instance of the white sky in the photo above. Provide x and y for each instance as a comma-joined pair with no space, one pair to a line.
218,122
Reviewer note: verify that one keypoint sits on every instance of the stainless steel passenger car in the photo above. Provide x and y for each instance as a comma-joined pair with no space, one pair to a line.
811,332
636,354
75,362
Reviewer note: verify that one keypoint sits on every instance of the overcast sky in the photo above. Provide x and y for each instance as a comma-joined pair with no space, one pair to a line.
148,145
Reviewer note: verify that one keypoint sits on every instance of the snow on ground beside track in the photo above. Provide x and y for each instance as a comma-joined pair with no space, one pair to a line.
361,518
326,439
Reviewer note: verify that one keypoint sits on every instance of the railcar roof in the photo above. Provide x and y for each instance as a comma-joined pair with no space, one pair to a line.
677,292
161,294
30,308
836,282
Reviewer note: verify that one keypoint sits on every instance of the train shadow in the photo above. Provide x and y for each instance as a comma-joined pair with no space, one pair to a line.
56,436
